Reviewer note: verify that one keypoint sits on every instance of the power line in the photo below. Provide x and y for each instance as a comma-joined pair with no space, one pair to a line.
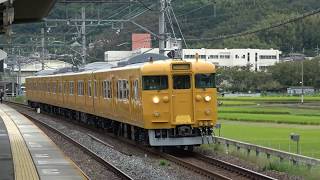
194,10
221,37
144,5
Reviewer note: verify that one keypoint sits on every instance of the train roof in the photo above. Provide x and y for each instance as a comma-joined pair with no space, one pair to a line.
142,58
154,67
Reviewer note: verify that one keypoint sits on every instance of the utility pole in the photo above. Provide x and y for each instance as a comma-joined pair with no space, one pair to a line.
302,83
214,9
162,27
19,74
42,45
83,33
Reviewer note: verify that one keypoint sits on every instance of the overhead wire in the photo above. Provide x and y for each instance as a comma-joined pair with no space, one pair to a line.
144,5
185,43
167,12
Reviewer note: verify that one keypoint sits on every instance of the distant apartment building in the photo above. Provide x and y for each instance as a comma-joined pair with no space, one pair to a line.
31,68
257,59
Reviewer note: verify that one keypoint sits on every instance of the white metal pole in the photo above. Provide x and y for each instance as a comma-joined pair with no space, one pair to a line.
42,45
83,32
302,83
19,74
162,27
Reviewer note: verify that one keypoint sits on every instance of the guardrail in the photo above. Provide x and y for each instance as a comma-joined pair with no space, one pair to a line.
294,158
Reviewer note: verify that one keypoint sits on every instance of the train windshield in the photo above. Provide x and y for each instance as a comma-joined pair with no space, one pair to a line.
205,80
155,82
181,82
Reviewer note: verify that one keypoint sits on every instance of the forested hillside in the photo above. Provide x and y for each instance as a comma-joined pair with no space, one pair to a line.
198,19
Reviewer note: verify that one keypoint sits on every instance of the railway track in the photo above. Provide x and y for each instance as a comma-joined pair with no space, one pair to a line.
95,156
207,166
234,168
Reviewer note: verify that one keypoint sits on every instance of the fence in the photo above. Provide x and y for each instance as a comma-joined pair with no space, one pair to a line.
295,158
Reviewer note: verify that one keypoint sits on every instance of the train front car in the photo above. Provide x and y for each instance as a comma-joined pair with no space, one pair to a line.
179,102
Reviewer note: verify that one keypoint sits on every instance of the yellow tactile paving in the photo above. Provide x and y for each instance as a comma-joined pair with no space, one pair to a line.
24,167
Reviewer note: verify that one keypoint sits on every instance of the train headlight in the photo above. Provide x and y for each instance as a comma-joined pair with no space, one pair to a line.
155,100
207,98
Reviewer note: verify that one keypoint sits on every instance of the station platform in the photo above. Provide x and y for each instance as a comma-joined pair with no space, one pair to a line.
28,153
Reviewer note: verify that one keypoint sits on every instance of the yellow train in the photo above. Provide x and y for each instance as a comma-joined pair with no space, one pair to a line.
162,103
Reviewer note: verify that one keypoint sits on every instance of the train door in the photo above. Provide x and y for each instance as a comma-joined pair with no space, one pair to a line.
64,92
60,93
114,97
182,99
130,97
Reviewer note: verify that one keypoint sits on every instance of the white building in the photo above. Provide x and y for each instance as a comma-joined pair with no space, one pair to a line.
31,68
258,59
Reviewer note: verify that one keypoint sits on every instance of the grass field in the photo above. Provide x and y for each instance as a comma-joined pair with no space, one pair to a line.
255,120
259,109
273,118
288,99
275,135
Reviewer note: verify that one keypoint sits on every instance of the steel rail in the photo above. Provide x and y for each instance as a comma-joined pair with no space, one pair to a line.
234,168
188,165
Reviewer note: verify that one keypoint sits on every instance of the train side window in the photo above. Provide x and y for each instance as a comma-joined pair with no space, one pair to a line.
107,93
120,93
104,89
71,87
205,80
64,87
54,87
123,89
155,82
89,88
109,89
135,90
48,87
80,88
181,82
95,88
60,87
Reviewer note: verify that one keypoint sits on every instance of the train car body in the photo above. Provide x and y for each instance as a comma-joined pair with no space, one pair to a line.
165,103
